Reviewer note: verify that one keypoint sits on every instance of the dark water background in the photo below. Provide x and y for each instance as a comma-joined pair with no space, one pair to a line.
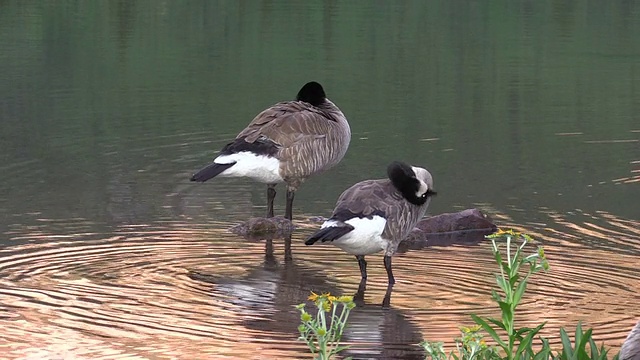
529,111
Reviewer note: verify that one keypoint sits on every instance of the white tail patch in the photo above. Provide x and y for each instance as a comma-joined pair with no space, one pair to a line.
330,223
365,238
261,168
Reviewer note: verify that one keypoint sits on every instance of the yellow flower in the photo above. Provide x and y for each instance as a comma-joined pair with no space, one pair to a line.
507,232
510,232
345,299
331,298
322,332
313,296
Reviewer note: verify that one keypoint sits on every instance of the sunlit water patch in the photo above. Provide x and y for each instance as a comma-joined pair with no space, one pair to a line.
191,289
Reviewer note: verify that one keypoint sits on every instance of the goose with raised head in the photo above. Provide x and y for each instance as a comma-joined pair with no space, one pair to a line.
376,215
288,142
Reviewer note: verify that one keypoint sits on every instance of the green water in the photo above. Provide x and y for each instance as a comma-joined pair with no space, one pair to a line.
494,84
521,108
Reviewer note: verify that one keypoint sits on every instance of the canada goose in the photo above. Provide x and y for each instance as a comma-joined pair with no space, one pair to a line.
376,215
631,347
287,142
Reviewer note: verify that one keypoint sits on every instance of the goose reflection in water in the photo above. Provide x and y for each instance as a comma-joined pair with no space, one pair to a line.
373,331
271,289
380,331
267,296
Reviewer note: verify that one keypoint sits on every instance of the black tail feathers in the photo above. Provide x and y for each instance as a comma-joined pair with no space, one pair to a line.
210,171
329,234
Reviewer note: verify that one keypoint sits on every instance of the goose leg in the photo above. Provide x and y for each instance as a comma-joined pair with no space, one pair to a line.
386,302
271,195
387,265
358,297
363,266
287,249
268,252
289,210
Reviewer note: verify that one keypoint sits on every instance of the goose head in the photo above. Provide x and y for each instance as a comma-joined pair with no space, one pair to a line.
414,183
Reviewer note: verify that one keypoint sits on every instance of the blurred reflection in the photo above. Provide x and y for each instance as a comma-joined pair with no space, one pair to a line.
268,293
380,331
271,290
124,13
358,297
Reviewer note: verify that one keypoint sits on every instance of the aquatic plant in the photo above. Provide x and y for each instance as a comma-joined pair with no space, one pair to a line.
518,342
322,333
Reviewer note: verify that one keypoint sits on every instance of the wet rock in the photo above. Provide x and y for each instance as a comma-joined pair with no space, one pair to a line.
317,219
467,227
260,227
469,219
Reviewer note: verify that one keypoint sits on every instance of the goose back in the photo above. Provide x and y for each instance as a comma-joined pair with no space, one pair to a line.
309,138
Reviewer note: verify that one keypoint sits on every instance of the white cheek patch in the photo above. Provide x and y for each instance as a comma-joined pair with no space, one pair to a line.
422,189
423,177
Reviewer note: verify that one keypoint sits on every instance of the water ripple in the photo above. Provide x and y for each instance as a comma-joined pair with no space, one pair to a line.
168,288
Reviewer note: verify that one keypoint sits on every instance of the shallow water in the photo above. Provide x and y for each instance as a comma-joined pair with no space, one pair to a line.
528,112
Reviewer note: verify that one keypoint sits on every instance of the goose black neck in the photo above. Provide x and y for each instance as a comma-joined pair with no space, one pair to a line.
404,180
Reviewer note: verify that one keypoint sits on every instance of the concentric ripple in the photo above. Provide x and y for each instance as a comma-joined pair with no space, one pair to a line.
192,290
129,294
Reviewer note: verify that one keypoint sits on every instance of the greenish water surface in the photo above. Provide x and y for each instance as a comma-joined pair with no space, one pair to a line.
528,110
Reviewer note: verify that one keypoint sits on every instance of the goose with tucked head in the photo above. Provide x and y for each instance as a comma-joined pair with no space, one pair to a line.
376,215
631,347
286,143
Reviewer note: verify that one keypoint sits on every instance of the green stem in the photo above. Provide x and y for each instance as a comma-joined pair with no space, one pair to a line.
509,298
322,339
343,318
509,250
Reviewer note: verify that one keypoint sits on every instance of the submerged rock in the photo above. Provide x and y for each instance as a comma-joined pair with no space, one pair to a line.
264,227
469,219
466,227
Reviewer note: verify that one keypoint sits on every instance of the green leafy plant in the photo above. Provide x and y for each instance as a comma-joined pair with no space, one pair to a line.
322,333
580,351
513,286
517,343
470,345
